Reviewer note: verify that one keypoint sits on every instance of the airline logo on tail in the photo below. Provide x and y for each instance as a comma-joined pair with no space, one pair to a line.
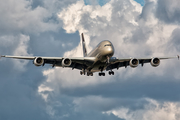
84,45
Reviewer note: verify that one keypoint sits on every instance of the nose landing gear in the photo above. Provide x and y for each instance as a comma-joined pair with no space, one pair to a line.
82,73
89,74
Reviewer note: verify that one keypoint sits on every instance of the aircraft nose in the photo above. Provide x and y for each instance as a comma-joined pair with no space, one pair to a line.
110,51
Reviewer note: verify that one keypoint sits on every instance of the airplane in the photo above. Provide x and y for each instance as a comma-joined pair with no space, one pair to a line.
98,60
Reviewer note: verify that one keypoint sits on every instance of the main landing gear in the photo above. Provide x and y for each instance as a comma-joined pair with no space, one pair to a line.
91,74
111,73
101,74
84,73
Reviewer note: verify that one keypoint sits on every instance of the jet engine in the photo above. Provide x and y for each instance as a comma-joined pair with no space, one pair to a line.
38,61
155,62
134,62
66,62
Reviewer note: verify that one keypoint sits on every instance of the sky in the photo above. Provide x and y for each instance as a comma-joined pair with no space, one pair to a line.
52,28
103,2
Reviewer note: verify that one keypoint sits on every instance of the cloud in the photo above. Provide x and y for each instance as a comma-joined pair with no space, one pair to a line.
152,110
19,46
134,30
21,18
168,11
20,27
52,28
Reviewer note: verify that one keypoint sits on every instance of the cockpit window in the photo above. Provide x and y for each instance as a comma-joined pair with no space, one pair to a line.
107,45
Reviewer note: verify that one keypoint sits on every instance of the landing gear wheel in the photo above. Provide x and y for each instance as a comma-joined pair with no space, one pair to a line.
101,74
89,74
111,73
81,72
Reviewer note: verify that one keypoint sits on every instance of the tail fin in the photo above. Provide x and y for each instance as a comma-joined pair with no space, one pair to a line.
84,45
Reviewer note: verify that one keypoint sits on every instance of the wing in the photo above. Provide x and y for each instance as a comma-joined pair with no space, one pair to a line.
116,63
72,62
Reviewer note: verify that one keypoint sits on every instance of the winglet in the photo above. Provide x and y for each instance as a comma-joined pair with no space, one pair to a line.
84,45
178,57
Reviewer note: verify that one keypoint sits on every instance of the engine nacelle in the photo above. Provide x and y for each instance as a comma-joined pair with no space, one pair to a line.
134,62
155,62
66,62
38,61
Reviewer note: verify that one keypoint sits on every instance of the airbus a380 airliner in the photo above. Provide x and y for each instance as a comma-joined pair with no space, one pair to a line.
98,60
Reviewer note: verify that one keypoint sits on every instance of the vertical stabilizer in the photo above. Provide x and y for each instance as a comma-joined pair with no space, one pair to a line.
84,45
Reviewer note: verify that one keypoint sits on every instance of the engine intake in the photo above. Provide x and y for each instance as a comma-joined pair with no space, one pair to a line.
134,62
155,62
66,62
38,61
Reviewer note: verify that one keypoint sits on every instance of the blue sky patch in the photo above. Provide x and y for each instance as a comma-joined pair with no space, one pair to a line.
140,1
103,2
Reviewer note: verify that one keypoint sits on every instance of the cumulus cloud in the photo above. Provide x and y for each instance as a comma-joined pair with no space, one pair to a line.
152,110
21,26
43,27
168,11
19,17
125,23
19,46
135,31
